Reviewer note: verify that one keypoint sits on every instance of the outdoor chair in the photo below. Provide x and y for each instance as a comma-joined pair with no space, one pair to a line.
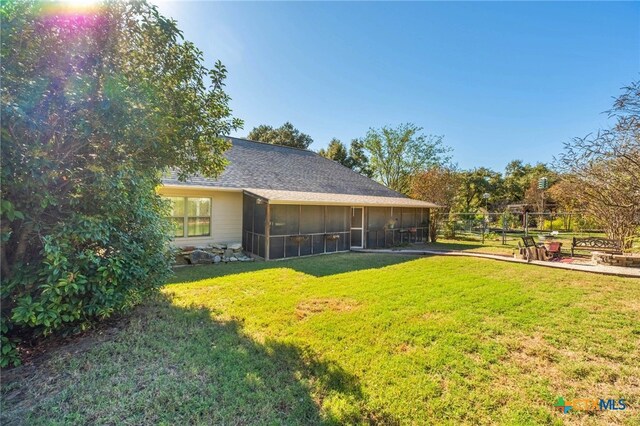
530,250
555,249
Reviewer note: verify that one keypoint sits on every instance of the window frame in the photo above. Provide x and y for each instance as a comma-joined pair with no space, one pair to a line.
186,217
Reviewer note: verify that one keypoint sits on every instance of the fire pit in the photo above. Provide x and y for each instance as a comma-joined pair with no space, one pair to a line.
624,260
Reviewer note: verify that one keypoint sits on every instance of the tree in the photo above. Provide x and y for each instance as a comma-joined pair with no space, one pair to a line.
286,135
473,184
355,159
337,152
96,103
438,185
563,192
396,154
358,160
518,178
605,168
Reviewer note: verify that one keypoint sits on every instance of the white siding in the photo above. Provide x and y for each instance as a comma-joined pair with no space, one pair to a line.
226,215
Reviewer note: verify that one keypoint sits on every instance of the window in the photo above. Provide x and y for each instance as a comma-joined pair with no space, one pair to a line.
191,217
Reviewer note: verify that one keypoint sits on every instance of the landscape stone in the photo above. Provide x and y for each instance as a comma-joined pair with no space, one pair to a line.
201,256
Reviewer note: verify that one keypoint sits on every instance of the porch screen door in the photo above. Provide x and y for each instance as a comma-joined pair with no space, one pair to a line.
357,228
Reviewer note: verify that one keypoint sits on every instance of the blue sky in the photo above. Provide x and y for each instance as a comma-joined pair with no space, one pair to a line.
500,81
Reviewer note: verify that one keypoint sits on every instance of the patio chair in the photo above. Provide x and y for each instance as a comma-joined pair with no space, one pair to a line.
555,249
530,250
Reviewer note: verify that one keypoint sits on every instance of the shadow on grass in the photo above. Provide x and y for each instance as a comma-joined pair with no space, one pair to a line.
176,365
318,266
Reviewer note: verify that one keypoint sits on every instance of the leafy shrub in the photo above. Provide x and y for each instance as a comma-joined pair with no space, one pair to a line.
449,229
102,260
96,104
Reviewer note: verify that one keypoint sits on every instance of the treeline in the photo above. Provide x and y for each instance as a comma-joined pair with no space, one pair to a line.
419,165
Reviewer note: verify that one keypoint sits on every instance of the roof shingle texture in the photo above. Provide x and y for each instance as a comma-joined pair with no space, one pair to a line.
265,166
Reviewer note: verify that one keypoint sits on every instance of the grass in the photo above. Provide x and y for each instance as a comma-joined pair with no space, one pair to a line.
350,338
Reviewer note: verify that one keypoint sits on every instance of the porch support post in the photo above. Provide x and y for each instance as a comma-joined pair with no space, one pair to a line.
267,232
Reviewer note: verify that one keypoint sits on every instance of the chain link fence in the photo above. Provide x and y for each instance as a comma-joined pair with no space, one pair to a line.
507,228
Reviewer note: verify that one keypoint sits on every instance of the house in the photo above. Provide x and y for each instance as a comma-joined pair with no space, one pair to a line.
286,202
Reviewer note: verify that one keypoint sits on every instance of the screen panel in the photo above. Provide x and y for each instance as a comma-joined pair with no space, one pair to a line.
291,247
317,243
259,218
284,219
276,247
408,218
378,217
344,241
338,218
305,247
356,217
311,219
248,204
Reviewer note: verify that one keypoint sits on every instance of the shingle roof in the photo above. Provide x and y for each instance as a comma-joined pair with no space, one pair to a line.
314,198
264,166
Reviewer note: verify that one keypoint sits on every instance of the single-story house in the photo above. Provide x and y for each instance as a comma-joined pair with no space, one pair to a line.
285,202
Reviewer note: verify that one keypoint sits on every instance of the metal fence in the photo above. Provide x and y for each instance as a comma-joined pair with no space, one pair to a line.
507,228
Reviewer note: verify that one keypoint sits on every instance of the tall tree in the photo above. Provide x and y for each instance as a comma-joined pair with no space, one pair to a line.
96,103
518,178
286,135
438,185
605,168
473,184
563,192
358,159
354,159
396,154
337,152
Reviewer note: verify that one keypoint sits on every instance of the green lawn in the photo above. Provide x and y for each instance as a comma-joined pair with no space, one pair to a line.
350,338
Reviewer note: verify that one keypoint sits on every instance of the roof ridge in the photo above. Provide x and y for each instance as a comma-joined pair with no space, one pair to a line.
273,144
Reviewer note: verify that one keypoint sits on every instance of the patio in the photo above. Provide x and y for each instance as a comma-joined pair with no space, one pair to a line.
575,263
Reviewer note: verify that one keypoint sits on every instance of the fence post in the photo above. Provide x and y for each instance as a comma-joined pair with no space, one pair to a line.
526,224
484,225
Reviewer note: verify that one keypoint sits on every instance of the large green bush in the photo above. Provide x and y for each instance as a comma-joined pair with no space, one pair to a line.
96,103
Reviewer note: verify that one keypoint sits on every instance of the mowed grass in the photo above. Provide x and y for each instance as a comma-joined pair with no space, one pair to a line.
350,339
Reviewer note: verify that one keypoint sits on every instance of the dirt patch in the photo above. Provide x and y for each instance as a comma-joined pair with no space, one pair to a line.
405,347
36,351
315,306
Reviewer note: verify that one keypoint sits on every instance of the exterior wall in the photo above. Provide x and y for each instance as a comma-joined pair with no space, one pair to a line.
226,215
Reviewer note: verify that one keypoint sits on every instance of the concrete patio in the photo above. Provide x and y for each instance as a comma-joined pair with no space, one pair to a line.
578,264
